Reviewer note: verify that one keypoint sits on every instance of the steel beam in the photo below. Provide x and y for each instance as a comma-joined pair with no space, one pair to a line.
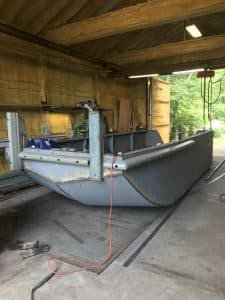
14,137
95,145
22,35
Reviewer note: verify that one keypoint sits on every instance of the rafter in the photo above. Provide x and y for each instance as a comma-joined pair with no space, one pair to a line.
150,14
65,14
166,50
204,59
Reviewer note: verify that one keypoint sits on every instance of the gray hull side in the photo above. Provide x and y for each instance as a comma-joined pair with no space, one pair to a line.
157,183
166,180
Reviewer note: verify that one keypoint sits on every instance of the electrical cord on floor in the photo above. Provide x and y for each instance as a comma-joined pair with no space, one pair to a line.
52,262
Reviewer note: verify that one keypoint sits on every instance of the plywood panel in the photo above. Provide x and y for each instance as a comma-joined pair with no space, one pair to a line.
4,166
125,114
161,108
59,123
19,80
3,126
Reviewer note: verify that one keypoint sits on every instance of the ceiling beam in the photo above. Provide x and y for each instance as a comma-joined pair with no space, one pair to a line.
150,14
22,35
71,9
167,50
205,59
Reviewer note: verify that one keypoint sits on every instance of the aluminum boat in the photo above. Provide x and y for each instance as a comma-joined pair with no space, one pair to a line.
145,171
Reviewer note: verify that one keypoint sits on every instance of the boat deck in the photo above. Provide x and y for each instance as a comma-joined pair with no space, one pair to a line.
172,254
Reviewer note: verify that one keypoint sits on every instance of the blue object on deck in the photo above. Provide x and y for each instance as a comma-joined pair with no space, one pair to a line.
45,144
31,143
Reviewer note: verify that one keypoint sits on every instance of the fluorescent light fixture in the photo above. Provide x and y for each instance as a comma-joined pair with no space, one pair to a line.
194,31
188,71
143,76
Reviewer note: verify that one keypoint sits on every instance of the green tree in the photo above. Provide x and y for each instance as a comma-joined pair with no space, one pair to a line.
187,101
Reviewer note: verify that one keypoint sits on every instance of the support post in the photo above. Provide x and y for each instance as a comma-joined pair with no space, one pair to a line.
149,103
95,145
14,137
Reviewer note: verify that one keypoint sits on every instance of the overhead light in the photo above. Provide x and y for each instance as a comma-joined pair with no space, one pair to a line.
187,71
143,76
194,31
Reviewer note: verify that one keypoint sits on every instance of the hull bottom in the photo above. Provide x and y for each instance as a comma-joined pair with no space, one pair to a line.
96,193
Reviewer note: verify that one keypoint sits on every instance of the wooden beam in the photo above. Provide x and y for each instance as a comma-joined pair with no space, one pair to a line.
150,14
210,59
63,16
22,35
44,16
167,50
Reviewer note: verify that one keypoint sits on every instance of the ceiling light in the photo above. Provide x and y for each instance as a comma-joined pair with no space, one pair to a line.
143,76
188,71
194,31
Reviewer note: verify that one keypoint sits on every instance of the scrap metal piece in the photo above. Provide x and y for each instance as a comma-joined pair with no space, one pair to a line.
34,251
21,245
29,248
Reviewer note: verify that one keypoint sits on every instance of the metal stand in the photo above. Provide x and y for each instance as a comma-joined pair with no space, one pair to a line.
15,142
95,145
95,140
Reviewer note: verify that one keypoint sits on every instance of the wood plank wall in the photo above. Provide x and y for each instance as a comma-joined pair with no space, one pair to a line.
161,108
4,167
32,75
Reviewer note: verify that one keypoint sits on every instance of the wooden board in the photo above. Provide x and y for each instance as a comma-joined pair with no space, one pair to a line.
168,50
125,109
161,108
152,13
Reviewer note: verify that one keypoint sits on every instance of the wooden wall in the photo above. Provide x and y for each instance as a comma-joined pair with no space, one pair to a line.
32,75
161,108
4,167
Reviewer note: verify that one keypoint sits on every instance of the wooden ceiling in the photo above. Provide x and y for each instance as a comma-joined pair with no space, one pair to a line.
139,36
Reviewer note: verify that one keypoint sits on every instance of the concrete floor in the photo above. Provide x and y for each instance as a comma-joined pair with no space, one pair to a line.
86,243
185,259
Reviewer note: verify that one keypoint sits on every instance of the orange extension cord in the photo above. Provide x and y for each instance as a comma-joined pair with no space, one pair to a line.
53,265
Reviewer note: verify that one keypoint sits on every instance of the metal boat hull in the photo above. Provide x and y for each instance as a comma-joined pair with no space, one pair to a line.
154,176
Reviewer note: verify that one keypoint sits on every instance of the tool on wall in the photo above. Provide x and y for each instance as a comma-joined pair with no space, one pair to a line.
207,93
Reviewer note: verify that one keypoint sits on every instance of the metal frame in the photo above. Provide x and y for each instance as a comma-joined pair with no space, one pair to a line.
15,142
95,145
22,35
